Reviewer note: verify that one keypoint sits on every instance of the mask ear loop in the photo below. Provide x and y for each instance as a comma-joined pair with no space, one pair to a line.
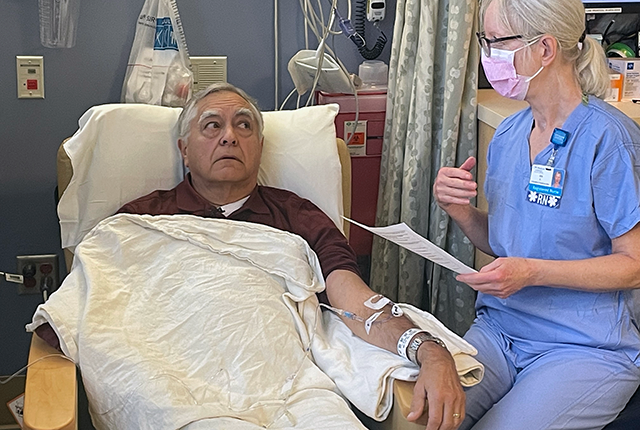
535,74
531,42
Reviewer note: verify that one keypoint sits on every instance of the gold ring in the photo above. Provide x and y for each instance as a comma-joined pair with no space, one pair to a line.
456,416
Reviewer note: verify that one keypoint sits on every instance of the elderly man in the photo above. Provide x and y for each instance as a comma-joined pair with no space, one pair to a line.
220,138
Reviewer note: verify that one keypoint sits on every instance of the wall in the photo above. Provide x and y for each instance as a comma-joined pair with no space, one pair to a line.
91,73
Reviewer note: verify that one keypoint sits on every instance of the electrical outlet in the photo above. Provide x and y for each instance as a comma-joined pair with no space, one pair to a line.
39,272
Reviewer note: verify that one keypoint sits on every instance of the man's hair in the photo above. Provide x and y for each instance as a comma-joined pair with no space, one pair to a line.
191,108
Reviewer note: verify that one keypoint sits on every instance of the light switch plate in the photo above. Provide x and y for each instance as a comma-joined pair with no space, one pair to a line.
30,73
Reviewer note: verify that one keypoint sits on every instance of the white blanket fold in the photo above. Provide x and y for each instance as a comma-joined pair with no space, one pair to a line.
178,320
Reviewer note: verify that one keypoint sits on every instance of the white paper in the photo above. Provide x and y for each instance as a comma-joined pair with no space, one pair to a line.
401,234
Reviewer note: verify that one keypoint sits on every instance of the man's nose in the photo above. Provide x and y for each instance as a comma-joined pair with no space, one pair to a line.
228,137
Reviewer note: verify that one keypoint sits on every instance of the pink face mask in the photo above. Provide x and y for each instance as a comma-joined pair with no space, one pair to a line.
501,73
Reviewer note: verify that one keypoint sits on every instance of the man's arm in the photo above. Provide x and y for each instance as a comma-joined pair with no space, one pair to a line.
438,381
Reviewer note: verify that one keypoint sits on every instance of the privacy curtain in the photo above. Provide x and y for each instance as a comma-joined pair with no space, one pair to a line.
430,123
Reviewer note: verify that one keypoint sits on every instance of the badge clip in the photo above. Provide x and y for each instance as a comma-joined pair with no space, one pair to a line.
559,137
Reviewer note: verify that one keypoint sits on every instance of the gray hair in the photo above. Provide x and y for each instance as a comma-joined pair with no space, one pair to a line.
191,108
564,20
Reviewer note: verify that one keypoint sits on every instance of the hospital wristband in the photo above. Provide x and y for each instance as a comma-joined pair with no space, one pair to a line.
403,342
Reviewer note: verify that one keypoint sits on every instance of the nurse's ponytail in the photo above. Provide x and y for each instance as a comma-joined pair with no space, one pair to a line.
592,68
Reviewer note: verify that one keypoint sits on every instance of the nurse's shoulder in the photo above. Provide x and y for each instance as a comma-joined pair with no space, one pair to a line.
606,119
518,122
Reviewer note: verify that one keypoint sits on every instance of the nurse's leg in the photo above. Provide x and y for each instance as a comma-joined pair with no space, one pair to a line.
499,373
579,388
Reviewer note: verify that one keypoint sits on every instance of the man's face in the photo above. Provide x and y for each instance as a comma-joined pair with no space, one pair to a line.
224,144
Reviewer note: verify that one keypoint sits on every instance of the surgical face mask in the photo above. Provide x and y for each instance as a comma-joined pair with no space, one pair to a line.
501,73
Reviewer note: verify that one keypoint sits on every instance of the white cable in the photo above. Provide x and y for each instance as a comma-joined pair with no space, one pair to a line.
311,18
287,99
322,48
306,27
4,381
275,37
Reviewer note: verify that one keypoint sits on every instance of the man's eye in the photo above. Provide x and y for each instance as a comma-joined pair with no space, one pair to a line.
244,124
212,124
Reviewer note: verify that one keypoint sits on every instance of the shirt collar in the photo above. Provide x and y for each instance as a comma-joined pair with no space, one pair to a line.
190,201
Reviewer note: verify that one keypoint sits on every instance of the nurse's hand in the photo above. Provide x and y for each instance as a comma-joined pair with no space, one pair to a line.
455,185
439,385
502,277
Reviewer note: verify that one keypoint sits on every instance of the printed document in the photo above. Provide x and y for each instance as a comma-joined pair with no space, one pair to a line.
401,234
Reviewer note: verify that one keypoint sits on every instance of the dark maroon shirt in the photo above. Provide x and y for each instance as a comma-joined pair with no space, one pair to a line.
274,207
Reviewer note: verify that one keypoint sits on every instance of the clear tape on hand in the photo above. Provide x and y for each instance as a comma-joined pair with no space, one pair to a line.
376,302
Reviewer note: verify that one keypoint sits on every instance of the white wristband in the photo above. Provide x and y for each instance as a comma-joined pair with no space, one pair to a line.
403,342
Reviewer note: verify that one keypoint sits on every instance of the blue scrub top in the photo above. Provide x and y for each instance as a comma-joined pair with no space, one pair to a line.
600,201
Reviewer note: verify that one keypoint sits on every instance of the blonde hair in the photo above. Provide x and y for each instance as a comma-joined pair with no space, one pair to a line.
565,21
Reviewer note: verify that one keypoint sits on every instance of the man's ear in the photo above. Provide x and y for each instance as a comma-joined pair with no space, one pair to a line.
549,46
182,146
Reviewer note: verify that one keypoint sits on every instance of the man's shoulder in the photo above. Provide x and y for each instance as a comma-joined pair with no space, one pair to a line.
279,194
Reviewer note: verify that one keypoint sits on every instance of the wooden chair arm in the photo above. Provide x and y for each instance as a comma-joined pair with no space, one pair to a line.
402,395
51,396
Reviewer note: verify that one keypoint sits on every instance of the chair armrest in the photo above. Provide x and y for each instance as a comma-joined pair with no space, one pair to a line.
50,400
345,164
402,396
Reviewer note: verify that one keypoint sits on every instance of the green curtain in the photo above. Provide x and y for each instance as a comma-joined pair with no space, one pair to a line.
430,123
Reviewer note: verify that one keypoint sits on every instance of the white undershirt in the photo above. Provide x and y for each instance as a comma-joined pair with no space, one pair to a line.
230,208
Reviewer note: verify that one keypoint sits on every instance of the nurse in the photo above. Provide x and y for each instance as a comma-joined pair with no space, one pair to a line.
555,323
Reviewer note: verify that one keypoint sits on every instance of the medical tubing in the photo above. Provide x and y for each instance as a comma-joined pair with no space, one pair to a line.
287,99
4,381
360,17
322,48
349,31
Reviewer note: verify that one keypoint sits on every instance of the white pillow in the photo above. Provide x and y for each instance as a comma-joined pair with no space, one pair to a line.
124,151
300,155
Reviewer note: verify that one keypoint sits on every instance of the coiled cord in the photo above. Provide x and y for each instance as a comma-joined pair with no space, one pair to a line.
359,20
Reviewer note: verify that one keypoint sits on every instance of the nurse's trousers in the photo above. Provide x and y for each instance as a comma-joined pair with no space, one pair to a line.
568,387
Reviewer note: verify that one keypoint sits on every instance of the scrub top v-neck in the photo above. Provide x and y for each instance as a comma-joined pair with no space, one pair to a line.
600,201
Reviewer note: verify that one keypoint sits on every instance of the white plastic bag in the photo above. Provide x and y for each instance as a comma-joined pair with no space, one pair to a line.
159,69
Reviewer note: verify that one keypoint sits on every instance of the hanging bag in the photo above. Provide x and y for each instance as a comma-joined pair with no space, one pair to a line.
159,69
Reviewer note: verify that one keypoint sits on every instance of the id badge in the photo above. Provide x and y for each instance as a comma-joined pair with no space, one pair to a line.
545,185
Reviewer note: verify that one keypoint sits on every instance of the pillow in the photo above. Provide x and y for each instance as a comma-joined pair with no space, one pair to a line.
124,151
300,155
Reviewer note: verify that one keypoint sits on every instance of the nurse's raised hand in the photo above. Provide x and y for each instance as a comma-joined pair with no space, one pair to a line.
455,185
502,277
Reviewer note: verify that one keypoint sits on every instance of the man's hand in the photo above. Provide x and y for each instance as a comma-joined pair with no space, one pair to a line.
439,385
502,277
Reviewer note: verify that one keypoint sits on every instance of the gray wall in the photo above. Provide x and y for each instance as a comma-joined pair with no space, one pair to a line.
91,73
